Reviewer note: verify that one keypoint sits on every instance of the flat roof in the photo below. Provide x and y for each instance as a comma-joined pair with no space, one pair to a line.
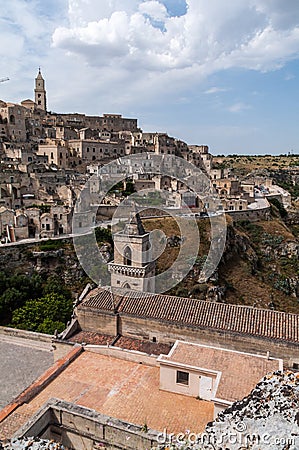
240,372
21,361
118,388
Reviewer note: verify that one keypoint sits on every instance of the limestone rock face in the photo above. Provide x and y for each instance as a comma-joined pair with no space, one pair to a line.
267,419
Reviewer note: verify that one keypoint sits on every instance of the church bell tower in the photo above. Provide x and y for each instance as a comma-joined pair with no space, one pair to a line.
133,267
40,92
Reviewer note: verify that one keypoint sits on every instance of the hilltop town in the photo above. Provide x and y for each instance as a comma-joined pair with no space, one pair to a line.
46,159
119,350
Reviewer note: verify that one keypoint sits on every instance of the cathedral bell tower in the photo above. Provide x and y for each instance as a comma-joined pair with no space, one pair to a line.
40,92
132,267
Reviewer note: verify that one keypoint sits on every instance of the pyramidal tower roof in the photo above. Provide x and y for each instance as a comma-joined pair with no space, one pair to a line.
134,225
39,75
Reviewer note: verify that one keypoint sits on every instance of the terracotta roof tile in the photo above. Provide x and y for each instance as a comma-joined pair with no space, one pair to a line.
102,299
93,338
118,388
151,348
128,343
192,312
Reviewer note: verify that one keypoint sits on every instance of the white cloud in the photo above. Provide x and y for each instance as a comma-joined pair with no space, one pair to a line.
215,90
209,37
128,51
238,107
154,9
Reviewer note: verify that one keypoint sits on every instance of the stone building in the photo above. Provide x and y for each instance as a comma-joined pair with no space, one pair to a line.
89,150
234,204
133,267
163,319
12,122
227,187
40,92
56,152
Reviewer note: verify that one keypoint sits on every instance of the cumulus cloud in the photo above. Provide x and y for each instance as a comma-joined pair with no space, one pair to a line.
144,52
210,36
154,9
141,50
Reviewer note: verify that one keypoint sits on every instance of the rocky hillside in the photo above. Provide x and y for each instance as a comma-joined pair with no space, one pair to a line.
260,265
267,419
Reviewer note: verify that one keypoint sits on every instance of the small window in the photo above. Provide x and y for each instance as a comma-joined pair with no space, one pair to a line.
128,256
182,377
154,339
296,366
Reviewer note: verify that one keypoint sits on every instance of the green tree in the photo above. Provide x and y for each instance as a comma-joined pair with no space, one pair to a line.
54,285
103,235
15,290
45,314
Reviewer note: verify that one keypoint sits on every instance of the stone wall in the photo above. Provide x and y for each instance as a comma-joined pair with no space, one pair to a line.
32,335
250,214
92,320
168,333
77,427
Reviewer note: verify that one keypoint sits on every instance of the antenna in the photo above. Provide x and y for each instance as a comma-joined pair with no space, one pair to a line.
3,79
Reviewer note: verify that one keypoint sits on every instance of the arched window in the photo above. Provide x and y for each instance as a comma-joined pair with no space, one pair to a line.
127,286
128,256
12,119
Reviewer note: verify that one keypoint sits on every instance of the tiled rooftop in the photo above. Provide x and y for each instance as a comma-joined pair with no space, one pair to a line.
89,337
151,348
203,314
102,299
118,388
240,371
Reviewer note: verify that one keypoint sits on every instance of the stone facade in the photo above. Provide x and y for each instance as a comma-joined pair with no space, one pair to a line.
164,319
133,267
40,92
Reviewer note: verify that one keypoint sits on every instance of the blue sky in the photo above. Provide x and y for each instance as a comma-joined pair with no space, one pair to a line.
219,73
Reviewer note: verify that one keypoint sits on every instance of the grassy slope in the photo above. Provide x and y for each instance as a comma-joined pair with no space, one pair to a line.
248,275
245,164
